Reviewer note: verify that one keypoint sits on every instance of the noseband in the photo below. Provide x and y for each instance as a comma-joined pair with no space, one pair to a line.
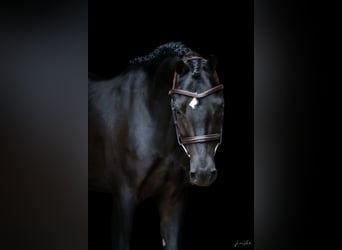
182,141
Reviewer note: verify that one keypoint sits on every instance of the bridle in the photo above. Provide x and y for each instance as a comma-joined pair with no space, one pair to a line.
183,141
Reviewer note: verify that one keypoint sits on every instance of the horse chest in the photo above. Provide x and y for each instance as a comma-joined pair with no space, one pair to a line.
161,177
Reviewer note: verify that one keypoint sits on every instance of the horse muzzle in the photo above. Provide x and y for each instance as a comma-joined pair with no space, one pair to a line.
202,172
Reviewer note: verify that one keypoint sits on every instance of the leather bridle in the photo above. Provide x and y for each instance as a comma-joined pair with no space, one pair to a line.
183,141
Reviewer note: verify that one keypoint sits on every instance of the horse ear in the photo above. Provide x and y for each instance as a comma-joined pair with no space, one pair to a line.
212,62
180,67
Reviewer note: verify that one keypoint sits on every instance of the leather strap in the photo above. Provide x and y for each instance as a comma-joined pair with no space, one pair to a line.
200,138
194,94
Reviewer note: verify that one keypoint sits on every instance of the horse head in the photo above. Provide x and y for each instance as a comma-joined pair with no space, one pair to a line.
197,104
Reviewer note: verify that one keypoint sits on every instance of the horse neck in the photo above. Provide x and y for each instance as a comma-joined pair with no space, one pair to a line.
162,78
161,83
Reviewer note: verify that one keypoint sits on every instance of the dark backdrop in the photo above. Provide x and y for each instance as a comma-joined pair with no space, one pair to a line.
221,215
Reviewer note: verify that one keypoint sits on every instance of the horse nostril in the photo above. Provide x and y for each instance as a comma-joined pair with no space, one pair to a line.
213,175
192,175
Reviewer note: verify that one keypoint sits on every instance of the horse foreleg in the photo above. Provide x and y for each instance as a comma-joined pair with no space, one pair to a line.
171,218
122,218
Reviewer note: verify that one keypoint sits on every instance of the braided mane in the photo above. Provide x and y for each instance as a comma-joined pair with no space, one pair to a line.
171,48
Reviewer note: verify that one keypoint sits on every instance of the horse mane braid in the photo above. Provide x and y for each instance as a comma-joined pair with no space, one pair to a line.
196,67
170,48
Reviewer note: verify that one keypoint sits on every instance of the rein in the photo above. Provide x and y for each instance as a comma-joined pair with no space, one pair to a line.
182,141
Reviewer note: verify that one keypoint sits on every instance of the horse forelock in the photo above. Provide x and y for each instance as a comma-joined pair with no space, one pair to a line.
198,77
196,66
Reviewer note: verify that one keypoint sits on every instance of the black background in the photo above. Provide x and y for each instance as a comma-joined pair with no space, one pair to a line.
219,215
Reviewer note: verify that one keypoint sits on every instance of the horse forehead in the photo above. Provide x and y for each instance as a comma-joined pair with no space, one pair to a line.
204,106
201,106
196,84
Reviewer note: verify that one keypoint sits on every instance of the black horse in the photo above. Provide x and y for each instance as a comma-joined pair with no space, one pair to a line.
140,124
